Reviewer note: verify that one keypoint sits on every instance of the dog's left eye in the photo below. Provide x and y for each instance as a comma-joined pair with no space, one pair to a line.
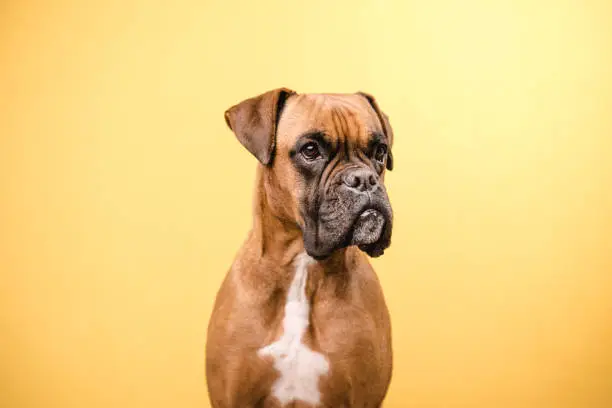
310,151
380,152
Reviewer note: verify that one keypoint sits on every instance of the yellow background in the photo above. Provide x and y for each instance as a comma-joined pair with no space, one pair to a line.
124,196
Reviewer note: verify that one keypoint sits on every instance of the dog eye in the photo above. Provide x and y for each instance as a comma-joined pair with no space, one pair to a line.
310,151
380,153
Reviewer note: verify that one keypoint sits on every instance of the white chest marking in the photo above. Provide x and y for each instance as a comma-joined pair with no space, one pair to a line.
299,367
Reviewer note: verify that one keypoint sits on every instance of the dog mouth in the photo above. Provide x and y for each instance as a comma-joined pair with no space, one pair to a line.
368,228
357,220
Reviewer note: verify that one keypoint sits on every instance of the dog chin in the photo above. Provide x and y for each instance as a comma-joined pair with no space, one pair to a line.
374,250
372,233
368,228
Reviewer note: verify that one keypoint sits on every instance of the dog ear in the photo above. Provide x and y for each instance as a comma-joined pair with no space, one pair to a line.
384,120
254,122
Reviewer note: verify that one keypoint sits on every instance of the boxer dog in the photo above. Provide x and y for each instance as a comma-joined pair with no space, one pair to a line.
300,319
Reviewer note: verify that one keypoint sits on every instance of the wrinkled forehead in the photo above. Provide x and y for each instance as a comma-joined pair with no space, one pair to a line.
341,118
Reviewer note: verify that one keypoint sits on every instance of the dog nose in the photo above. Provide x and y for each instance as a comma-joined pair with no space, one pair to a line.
361,179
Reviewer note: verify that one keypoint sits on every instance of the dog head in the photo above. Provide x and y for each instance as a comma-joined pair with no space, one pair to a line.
323,158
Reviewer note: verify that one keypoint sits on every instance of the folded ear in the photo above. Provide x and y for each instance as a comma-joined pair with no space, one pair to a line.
384,120
254,121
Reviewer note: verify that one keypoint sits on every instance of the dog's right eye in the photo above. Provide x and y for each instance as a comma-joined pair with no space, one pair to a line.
310,151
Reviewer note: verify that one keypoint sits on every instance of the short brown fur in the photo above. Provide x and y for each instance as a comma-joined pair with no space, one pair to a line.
349,320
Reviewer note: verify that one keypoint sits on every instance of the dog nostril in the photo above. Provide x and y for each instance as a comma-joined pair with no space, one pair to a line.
372,180
352,181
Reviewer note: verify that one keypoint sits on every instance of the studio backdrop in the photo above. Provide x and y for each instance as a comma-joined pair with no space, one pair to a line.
124,196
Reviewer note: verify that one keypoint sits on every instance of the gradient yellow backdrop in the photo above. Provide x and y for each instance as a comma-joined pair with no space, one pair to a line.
124,196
